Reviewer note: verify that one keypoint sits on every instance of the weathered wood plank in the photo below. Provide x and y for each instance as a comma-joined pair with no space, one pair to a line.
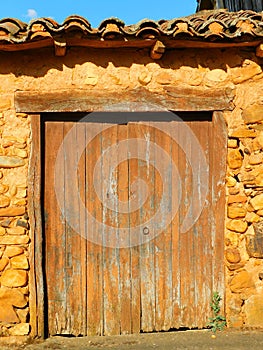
36,300
95,316
55,233
171,98
73,264
111,255
176,268
163,240
124,224
134,222
147,250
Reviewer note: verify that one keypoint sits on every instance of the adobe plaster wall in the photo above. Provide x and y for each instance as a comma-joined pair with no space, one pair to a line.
119,70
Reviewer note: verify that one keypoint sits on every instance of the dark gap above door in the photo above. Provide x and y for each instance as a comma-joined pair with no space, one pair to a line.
126,117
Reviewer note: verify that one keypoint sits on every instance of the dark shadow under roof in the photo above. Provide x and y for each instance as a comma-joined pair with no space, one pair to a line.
200,29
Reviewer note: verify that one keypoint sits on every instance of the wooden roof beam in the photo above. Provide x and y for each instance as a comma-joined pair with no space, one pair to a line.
60,46
259,50
157,50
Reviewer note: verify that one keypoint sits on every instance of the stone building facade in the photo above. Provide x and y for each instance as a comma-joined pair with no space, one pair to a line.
202,55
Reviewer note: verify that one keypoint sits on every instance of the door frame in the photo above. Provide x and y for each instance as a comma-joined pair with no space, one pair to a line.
34,102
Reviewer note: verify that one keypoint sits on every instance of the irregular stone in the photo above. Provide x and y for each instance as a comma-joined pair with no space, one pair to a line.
11,162
215,76
3,263
12,296
236,199
253,310
257,202
237,226
232,239
231,181
14,278
24,290
257,144
21,115
22,223
260,212
234,159
20,329
235,304
234,267
19,201
7,313
13,190
243,133
8,240
254,244
248,70
190,76
10,252
16,230
20,262
5,103
4,201
145,78
23,315
12,211
234,212
253,114
252,217
3,188
232,143
235,321
233,191
19,152
92,80
233,255
256,159
2,231
21,192
5,223
240,282
164,78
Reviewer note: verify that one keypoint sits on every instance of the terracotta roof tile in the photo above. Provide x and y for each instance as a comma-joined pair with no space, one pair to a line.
206,26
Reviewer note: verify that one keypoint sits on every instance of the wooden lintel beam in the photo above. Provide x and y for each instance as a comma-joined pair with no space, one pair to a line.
171,98
157,50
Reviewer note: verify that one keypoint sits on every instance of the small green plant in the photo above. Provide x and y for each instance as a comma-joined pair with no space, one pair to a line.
217,322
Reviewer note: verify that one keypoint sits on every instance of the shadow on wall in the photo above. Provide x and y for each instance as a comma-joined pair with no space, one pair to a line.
37,63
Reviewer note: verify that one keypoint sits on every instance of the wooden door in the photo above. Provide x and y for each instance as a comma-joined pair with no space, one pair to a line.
143,274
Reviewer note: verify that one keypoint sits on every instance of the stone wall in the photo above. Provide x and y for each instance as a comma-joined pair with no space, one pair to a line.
118,70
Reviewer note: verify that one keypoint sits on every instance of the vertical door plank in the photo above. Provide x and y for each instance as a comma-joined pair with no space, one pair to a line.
94,234
54,233
163,240
81,155
202,231
147,250
73,264
186,238
124,223
134,227
111,258
176,267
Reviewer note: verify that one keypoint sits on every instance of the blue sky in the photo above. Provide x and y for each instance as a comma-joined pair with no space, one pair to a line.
97,10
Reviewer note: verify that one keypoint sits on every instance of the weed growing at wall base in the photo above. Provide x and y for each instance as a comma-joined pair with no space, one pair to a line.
217,322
